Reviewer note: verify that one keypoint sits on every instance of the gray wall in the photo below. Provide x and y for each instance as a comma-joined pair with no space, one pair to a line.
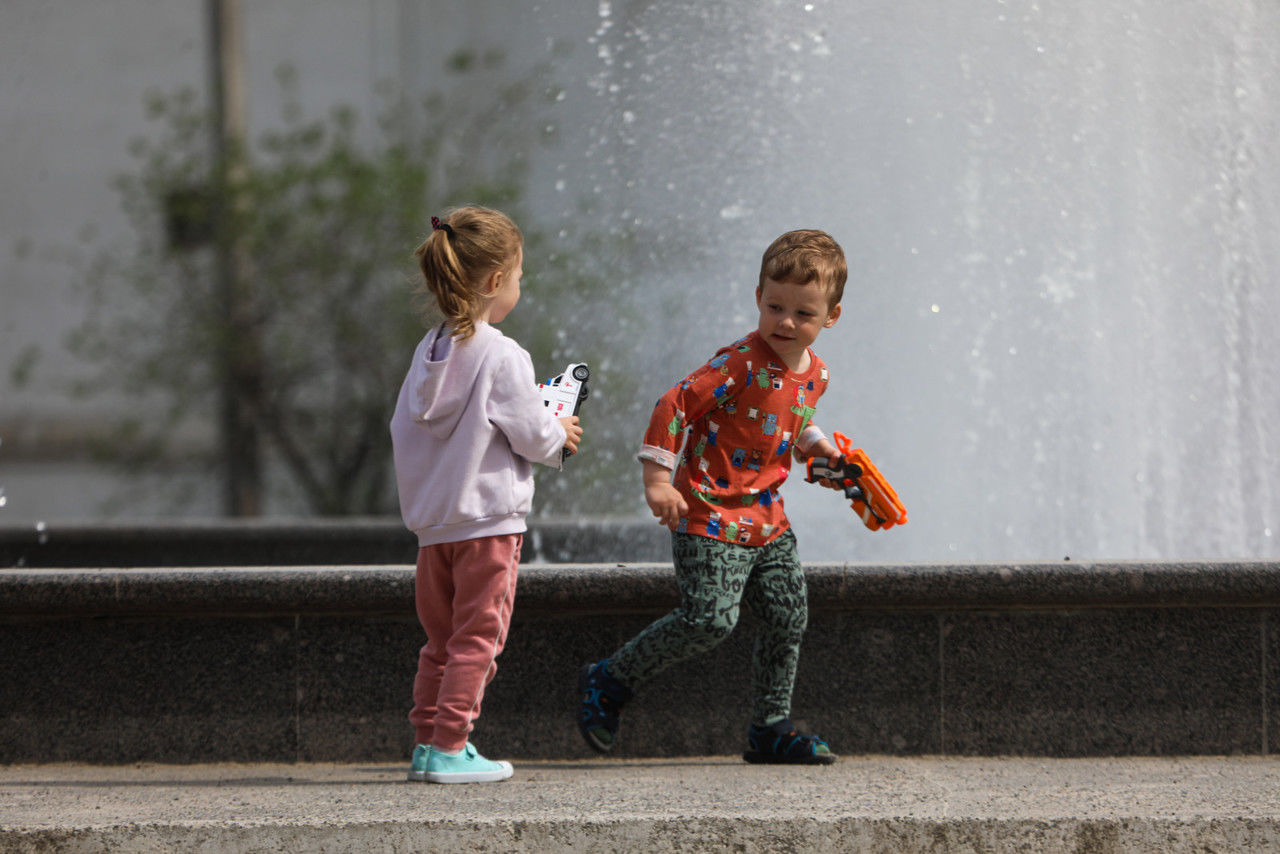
65,131
315,663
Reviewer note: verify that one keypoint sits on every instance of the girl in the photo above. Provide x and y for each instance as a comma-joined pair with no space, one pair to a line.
467,426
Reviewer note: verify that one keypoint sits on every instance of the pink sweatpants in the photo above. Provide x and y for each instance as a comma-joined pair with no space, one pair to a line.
464,593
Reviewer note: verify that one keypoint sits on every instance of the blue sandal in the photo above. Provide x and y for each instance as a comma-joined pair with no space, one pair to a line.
782,744
602,699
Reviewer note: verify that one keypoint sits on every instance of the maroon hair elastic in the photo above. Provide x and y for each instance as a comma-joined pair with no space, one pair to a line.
437,225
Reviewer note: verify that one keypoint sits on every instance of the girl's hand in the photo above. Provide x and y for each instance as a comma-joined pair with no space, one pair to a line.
572,433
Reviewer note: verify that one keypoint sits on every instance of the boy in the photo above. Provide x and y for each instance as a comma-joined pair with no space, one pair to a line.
745,412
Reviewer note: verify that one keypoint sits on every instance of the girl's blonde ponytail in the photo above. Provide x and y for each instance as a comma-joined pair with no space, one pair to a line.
464,248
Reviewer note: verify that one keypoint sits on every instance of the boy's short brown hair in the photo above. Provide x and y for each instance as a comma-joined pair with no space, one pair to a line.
806,255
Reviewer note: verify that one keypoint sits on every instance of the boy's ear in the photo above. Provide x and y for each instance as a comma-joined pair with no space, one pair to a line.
832,317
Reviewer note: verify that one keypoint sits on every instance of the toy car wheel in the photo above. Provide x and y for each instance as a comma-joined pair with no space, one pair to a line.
581,372
583,391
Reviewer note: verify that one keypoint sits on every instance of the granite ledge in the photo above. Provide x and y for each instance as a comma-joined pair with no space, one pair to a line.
609,588
310,541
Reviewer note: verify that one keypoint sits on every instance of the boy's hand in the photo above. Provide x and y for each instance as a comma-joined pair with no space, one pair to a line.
572,433
822,448
663,498
667,503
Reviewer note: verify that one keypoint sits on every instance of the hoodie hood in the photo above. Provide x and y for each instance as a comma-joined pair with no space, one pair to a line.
468,426
438,389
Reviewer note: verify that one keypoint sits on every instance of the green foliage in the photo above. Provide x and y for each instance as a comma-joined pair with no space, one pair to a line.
322,216
21,370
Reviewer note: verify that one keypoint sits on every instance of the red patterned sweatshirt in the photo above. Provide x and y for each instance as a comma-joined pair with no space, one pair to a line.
742,412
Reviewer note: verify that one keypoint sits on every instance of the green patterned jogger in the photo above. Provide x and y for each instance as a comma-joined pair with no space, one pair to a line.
715,579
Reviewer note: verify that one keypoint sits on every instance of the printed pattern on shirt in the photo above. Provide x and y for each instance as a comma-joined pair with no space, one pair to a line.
738,417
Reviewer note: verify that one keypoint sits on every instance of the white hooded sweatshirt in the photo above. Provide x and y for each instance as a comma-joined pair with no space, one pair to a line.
468,423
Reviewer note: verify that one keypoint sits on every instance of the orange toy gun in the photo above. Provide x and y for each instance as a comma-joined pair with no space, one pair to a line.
872,496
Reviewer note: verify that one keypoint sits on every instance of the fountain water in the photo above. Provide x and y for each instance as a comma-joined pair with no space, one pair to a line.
1062,227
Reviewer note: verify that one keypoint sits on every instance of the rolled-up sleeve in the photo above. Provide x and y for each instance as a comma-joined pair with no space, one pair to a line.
714,384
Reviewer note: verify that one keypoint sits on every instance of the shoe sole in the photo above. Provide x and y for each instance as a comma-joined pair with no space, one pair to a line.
771,759
417,776
598,746
470,776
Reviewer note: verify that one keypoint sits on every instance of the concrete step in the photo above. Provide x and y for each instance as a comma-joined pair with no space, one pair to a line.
864,804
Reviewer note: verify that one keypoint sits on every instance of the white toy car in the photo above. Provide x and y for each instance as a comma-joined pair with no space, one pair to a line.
564,393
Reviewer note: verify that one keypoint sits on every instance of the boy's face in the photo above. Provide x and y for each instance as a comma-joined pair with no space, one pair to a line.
792,315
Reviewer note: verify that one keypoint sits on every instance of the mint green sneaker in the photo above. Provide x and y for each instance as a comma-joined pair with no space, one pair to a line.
465,766
418,768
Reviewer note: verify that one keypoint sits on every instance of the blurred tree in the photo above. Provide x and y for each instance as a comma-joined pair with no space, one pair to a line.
326,213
